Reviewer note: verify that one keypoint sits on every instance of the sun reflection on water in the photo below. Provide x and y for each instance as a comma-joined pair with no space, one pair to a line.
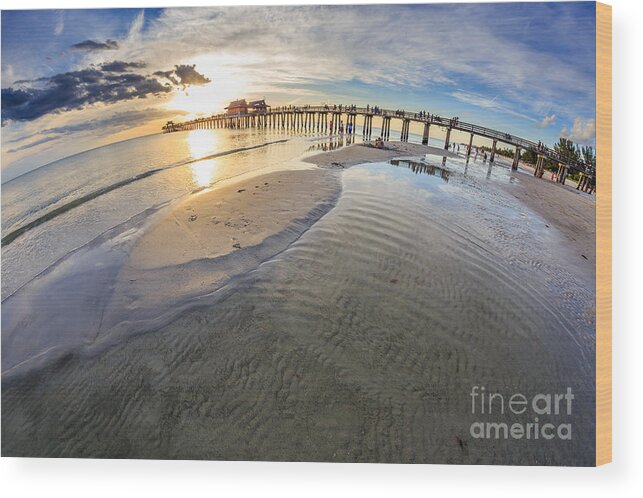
202,143
203,172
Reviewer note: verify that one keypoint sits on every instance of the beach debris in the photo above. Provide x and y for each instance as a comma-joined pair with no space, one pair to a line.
241,190
192,217
236,245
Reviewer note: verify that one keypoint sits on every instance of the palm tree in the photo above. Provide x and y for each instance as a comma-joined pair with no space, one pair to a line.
567,150
589,158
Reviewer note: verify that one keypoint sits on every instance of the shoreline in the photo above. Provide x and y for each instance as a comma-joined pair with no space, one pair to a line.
577,211
305,340
190,251
572,212
245,213
363,153
222,220
212,236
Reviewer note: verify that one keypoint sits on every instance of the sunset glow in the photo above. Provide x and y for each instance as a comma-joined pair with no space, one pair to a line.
75,87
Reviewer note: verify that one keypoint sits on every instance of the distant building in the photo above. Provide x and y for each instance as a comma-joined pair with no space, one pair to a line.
242,108
237,108
259,106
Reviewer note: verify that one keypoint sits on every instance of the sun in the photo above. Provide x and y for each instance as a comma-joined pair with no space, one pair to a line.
228,82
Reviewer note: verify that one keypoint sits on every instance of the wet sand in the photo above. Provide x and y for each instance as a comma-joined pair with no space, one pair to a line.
303,359
567,209
217,222
572,212
364,153
216,235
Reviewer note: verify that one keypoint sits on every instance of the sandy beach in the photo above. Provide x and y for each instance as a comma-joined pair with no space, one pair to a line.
567,209
256,234
241,215
222,220
365,153
572,212
280,317
215,235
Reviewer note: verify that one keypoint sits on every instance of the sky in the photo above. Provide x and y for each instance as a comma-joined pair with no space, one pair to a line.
78,79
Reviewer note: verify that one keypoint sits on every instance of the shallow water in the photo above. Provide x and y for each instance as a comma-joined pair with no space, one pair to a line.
360,342
168,166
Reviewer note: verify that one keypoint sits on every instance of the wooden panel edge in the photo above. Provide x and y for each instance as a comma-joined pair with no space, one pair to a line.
603,233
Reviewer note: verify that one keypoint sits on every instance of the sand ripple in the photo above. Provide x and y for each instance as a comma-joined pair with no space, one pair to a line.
359,343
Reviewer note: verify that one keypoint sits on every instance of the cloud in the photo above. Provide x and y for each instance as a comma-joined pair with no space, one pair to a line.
184,75
120,66
32,144
333,44
116,121
490,56
189,76
487,103
104,84
547,120
93,46
75,90
583,131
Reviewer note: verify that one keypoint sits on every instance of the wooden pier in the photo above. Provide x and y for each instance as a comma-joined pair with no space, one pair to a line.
330,118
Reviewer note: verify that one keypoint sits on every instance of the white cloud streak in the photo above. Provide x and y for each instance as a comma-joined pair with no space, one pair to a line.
547,120
306,50
583,131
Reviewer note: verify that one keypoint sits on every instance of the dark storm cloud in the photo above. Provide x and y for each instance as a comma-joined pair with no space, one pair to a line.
168,75
184,75
92,45
120,66
190,76
75,90
108,83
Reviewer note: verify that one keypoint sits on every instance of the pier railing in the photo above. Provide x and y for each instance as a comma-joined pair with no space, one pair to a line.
425,118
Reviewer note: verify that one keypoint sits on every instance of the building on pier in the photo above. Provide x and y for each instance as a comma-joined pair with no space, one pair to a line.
259,106
237,108
244,114
169,127
243,108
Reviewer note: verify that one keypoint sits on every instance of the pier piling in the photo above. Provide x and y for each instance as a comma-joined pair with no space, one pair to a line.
328,118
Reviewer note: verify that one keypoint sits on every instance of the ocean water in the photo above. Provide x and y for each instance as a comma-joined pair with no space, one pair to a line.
144,173
360,342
